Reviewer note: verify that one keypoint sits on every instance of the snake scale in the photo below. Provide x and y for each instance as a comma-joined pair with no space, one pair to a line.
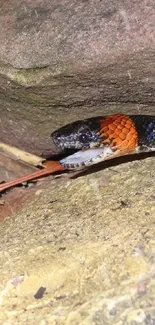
105,137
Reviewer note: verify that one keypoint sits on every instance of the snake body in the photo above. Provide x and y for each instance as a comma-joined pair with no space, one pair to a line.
105,137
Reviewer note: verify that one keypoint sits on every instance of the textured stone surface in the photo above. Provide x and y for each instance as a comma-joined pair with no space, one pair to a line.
63,60
88,245
41,33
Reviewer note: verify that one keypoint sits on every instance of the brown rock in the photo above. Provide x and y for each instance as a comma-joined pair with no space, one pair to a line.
65,60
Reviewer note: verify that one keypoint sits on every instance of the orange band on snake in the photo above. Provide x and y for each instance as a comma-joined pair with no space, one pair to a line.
119,132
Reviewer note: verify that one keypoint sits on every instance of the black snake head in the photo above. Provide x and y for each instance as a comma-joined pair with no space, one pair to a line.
78,135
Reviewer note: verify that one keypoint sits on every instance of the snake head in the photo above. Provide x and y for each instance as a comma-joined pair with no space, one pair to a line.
78,135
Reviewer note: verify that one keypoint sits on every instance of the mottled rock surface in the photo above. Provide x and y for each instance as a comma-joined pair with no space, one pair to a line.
83,251
63,60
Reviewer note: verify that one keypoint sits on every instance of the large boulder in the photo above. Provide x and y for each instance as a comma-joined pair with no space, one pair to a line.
61,60
83,252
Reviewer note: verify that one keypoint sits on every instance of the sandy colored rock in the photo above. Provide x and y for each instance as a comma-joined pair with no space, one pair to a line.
90,243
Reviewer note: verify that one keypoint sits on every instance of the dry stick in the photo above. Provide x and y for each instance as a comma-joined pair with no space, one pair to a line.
51,168
21,155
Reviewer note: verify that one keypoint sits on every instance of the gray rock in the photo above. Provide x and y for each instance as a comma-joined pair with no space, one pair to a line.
65,60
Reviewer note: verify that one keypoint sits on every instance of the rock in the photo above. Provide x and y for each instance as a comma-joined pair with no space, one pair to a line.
89,254
61,61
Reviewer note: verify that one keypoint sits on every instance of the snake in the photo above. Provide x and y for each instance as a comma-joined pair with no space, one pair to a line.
94,140
101,138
